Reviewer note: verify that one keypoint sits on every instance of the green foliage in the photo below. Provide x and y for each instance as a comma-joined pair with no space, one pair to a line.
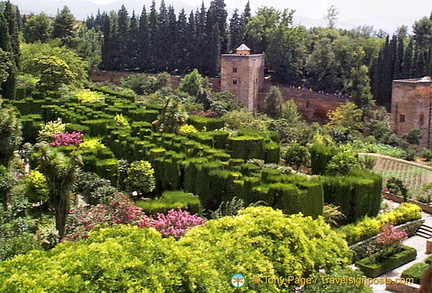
94,189
58,60
342,163
273,102
376,269
143,84
140,177
203,123
171,200
228,208
36,187
87,96
347,117
37,28
240,119
187,129
224,102
396,186
415,272
272,245
10,133
414,136
121,121
63,27
50,128
322,151
296,154
427,154
332,214
369,227
290,112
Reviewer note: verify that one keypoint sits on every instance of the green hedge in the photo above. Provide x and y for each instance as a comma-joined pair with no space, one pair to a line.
304,197
144,115
357,195
369,227
204,123
246,147
415,272
172,200
374,270
321,155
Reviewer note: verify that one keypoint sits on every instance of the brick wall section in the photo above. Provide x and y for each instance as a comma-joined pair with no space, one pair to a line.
411,107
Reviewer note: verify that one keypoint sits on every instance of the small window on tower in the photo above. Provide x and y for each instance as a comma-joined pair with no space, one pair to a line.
401,118
234,69
421,118
235,81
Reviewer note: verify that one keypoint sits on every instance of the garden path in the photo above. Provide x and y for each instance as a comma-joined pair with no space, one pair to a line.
418,243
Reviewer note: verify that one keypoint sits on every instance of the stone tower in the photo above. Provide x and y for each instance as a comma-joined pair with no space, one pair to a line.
243,75
411,107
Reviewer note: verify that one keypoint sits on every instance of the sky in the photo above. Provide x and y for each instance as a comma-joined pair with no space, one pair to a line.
381,14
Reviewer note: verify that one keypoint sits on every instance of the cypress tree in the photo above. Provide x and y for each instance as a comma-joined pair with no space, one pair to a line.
182,44
407,60
143,57
172,41
63,26
235,32
153,30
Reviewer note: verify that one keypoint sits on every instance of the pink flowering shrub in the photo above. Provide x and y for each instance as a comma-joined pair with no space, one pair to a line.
67,139
391,237
120,210
176,223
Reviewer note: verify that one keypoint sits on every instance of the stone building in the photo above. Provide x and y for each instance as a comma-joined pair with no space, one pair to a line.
411,107
243,75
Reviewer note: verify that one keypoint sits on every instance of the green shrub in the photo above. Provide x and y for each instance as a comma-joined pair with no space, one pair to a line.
415,272
376,269
321,154
369,227
140,177
204,123
172,200
246,147
126,258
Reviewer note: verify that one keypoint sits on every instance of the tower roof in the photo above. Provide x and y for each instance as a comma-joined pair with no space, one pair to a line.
243,47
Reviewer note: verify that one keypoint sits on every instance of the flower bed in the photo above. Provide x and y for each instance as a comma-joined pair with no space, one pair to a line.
373,270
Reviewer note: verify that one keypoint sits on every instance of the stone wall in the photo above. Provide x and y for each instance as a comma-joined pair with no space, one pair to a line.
243,75
411,107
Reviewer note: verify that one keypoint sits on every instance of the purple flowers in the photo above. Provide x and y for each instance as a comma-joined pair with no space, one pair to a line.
176,223
67,139
391,237
121,210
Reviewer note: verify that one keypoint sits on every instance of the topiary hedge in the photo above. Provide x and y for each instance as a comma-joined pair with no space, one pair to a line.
172,200
369,227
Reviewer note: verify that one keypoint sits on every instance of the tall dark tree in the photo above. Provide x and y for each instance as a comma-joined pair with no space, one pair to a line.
219,15
235,32
8,87
64,27
143,56
153,29
172,41
183,38
407,60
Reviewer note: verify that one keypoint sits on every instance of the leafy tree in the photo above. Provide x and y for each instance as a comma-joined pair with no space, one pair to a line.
89,46
223,102
37,28
5,65
171,117
6,183
61,173
296,154
359,88
342,163
53,72
140,177
346,117
273,102
64,60
290,112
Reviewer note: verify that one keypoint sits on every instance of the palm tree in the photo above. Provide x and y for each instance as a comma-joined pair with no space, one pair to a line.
61,172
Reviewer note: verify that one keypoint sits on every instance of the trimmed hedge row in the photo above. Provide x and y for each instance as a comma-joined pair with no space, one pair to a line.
415,272
171,200
369,227
204,123
377,269
357,195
